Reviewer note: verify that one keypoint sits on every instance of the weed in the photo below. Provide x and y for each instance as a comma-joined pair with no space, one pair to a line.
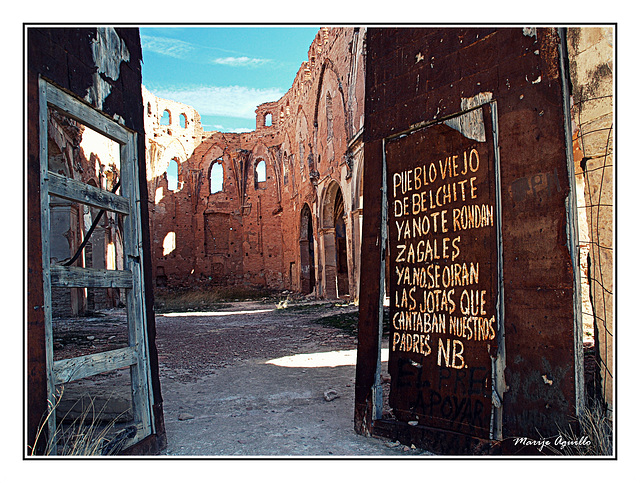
82,436
348,322
595,428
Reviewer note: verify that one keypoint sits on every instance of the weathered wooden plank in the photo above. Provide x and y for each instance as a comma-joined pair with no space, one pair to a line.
69,370
70,189
45,227
85,114
90,277
140,375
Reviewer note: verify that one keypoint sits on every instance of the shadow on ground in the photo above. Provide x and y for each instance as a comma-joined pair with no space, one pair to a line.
222,396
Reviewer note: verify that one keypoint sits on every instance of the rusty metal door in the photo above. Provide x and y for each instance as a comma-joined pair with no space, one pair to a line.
446,340
129,278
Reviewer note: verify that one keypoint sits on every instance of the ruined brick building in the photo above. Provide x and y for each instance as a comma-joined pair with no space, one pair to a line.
277,207
282,206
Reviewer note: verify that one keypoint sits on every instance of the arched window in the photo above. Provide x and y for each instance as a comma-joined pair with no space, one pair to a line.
172,175
165,120
216,176
261,175
268,119
183,121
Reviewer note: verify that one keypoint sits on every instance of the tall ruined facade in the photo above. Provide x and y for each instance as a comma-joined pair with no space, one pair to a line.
277,207
282,207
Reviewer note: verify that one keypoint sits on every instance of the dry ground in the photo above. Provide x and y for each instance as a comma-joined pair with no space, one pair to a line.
225,393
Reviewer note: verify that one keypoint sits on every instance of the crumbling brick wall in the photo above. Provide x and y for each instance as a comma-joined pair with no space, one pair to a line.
250,231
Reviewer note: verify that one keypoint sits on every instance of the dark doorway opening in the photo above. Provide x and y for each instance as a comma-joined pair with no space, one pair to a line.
307,255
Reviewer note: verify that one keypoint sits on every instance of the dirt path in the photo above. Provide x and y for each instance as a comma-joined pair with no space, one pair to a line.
222,396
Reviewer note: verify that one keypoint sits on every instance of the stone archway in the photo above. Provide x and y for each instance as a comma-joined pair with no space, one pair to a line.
307,255
334,238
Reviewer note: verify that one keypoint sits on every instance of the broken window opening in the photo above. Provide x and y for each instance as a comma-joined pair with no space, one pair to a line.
216,176
98,162
268,119
183,121
261,175
172,175
165,120
97,418
169,243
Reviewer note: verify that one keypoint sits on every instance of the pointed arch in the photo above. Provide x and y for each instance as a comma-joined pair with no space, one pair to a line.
330,123
328,64
334,242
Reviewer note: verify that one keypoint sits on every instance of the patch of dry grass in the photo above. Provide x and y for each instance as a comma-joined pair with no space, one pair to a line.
595,428
82,436
208,298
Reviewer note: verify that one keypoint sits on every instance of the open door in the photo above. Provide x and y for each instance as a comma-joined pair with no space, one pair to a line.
121,276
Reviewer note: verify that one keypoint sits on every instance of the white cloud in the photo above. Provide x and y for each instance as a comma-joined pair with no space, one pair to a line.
166,46
221,128
240,61
185,50
233,101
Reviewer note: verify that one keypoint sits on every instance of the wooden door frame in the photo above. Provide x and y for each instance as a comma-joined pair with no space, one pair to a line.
136,355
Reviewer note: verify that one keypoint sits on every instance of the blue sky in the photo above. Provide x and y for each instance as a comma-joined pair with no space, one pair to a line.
223,72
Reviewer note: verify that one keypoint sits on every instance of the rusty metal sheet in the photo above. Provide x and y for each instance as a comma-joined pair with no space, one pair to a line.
444,273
